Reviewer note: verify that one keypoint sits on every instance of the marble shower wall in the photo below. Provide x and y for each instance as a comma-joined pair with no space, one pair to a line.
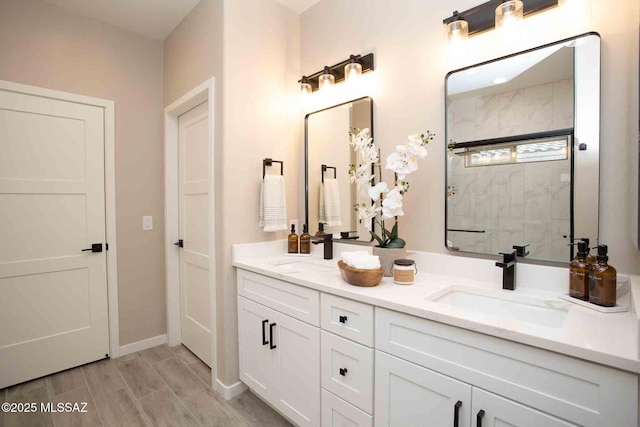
514,203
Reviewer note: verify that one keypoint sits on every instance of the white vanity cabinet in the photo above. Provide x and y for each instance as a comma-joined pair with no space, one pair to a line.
347,360
280,354
430,363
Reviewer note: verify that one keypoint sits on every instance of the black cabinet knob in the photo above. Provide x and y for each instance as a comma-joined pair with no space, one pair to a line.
343,319
343,372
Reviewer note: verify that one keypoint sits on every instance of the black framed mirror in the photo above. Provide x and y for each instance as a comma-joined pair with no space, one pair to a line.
522,162
329,194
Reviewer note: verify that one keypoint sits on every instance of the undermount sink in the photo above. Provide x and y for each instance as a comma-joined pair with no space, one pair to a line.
303,267
501,304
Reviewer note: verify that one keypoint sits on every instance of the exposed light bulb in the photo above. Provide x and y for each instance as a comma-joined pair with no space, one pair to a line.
326,79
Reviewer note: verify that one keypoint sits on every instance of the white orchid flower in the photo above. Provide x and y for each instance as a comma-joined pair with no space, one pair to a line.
378,189
369,154
392,204
367,213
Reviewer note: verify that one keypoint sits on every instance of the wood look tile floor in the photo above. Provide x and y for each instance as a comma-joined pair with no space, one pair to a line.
161,386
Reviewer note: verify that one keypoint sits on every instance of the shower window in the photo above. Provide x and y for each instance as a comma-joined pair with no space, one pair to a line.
534,150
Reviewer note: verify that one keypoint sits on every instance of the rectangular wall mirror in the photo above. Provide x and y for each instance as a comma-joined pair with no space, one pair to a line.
522,161
330,196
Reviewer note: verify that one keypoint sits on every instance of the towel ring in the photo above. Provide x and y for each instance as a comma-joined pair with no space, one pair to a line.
269,162
324,169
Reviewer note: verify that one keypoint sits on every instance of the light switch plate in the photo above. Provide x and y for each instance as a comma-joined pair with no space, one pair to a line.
147,223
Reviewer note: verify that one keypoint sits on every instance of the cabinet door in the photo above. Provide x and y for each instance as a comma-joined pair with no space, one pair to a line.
408,395
257,359
297,370
500,412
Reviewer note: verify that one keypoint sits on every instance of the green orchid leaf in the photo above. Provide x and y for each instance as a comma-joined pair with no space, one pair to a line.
378,239
394,232
396,243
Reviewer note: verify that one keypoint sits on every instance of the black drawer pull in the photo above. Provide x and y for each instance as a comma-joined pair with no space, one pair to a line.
264,332
271,345
343,319
343,372
456,413
479,418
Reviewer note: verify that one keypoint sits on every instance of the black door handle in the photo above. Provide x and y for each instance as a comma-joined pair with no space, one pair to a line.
343,371
343,319
456,413
479,418
264,333
179,243
271,344
95,247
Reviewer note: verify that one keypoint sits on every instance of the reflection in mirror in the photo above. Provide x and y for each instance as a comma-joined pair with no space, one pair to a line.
330,196
523,153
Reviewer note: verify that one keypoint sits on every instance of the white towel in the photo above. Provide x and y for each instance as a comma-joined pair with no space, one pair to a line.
322,214
361,259
273,205
330,194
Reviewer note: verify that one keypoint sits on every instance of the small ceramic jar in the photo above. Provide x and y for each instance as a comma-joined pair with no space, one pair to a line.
404,271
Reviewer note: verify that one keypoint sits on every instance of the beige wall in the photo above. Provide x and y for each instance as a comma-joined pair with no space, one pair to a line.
43,45
254,58
412,59
261,112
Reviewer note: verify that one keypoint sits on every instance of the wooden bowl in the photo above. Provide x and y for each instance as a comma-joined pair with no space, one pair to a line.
360,277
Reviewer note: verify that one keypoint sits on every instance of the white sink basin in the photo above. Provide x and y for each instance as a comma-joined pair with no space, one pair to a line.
303,267
506,305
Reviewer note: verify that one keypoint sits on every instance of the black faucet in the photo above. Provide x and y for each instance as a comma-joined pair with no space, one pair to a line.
327,240
508,266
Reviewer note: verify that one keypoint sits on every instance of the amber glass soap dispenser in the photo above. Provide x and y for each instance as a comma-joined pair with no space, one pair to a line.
305,240
293,241
602,280
579,270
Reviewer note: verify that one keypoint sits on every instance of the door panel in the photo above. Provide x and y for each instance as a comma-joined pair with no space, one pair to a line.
500,412
409,395
193,166
257,359
53,296
298,370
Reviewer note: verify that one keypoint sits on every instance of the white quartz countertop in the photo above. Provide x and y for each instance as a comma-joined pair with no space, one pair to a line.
610,339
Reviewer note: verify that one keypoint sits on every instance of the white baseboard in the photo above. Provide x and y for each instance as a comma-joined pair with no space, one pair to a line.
230,391
142,345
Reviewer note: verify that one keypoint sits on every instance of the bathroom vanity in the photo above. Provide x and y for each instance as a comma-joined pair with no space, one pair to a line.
452,349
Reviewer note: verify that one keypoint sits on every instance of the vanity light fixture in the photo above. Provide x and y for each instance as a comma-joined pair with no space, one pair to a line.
344,70
305,87
496,13
458,29
509,13
326,79
353,69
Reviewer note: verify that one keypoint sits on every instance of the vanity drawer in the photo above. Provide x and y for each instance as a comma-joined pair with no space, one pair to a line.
581,392
296,301
338,413
347,318
347,370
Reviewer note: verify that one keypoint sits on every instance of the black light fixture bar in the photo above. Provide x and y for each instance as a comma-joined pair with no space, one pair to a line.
483,17
337,70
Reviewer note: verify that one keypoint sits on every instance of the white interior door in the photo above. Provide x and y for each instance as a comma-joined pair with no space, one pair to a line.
53,296
193,172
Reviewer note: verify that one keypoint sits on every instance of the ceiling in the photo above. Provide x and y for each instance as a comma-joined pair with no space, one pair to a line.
151,18
298,6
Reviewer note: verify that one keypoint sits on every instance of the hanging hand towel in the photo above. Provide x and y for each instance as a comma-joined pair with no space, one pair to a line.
332,202
273,206
322,215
